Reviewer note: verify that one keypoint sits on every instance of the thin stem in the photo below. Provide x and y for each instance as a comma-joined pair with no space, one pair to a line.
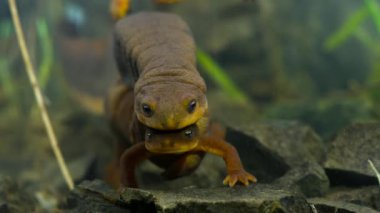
374,170
38,95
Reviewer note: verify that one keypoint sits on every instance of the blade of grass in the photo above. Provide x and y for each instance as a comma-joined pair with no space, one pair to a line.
47,52
38,95
374,10
374,170
219,76
347,29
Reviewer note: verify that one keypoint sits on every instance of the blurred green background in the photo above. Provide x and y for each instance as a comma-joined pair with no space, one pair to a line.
317,62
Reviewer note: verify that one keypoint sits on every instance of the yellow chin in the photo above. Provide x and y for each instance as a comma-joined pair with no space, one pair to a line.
161,149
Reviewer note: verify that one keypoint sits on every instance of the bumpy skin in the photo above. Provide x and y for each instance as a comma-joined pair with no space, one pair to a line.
158,51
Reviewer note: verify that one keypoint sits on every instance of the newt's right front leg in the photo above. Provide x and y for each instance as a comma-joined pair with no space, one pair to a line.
128,162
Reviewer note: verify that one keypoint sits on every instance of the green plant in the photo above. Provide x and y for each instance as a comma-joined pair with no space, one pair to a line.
44,38
374,170
353,24
219,76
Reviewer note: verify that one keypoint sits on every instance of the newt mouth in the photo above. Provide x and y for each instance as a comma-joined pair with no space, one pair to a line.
169,150
173,141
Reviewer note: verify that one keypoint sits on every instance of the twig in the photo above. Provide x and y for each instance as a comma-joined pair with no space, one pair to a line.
38,95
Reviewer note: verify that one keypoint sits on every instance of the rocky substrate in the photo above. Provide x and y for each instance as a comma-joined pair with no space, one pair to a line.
297,172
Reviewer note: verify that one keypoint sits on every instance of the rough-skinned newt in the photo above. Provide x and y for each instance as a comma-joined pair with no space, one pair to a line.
159,105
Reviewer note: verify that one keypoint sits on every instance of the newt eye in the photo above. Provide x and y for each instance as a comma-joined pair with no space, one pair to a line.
147,110
192,105
188,133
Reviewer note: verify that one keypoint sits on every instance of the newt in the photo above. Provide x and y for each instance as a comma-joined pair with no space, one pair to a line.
159,108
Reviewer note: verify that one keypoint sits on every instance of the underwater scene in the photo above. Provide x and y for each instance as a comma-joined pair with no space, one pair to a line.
190,106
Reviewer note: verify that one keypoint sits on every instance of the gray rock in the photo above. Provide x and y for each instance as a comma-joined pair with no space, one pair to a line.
365,196
324,205
347,160
309,180
93,196
262,198
96,196
13,198
294,143
265,164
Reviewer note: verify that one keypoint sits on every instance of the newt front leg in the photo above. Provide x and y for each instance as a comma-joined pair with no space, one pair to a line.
235,170
128,162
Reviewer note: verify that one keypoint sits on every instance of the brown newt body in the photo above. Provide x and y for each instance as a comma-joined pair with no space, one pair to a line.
162,108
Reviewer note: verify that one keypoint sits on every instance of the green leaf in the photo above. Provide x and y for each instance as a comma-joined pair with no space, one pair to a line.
374,10
219,76
347,29
47,52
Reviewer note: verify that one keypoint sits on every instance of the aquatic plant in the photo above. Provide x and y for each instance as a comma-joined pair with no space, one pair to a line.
353,23
219,76
45,67
374,170
346,30
374,10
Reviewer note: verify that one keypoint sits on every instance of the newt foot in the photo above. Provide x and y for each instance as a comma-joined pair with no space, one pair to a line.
240,175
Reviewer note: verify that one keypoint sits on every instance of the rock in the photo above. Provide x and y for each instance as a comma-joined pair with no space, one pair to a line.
309,179
296,144
347,159
261,198
365,196
265,164
324,205
13,198
92,197
96,196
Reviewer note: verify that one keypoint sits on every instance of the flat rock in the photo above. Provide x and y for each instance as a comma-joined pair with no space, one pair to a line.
309,179
347,159
239,199
95,196
365,196
258,198
324,205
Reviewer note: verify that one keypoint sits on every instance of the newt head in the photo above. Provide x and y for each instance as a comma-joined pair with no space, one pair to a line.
170,142
170,105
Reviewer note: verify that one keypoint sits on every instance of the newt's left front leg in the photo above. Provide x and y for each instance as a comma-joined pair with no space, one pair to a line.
128,162
235,170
